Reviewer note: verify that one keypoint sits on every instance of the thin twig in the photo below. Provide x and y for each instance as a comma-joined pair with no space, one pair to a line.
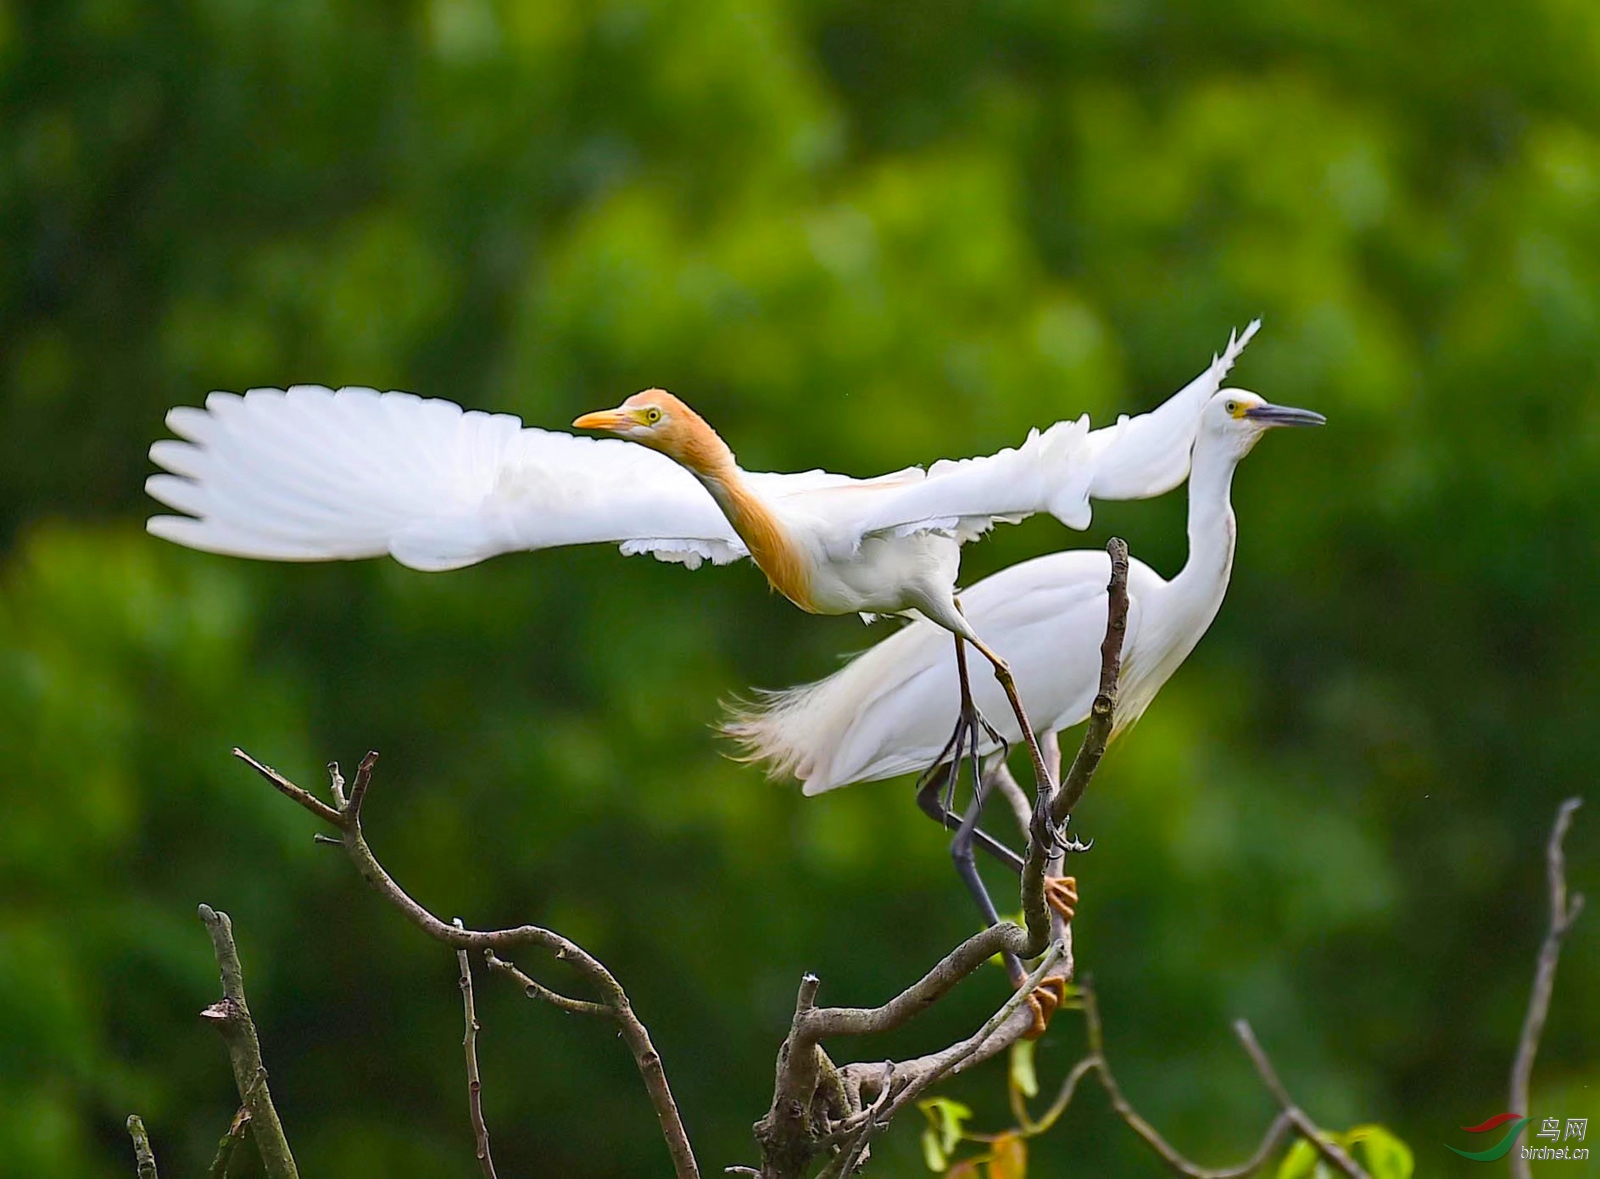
231,1016
1276,1133
998,774
535,989
233,1140
143,1157
1308,1129
358,790
874,1120
1563,912
469,1045
287,788
1069,1089
1279,1130
347,821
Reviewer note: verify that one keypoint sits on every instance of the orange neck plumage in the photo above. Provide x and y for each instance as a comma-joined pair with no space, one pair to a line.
696,446
771,547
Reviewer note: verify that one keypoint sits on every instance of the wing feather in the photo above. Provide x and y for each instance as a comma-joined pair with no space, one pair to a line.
310,473
1058,470
1148,455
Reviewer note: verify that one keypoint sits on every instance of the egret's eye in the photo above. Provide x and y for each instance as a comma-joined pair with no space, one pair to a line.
652,416
1232,407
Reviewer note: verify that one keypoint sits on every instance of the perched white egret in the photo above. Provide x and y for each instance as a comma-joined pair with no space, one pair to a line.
877,716
313,474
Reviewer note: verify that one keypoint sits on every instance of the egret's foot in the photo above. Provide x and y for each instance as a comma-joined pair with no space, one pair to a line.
1045,999
961,749
1061,894
1050,835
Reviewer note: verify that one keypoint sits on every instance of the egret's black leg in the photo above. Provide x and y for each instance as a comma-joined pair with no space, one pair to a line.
1050,994
967,866
937,786
928,791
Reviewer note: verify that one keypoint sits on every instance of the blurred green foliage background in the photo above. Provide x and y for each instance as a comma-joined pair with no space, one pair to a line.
858,234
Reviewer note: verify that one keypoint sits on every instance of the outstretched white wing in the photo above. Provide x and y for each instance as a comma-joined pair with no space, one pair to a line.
1059,470
962,498
312,475
1148,455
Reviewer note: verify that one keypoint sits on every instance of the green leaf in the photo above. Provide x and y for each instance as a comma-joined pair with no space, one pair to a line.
945,1117
1023,1075
1386,1156
932,1153
1300,1162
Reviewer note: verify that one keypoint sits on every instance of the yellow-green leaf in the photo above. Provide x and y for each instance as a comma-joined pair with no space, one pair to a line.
1386,1156
932,1153
1023,1075
1300,1162
946,1117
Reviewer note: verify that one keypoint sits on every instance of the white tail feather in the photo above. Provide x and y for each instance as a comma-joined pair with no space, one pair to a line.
818,733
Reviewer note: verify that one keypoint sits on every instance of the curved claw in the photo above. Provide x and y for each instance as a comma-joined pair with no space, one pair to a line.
1053,836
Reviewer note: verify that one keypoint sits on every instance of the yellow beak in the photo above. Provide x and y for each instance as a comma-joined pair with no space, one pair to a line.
606,419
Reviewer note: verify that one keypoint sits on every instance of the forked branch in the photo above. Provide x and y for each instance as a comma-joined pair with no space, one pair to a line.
1290,1120
613,1002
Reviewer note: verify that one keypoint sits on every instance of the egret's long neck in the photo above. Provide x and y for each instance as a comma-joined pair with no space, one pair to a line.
1175,617
771,547
1199,587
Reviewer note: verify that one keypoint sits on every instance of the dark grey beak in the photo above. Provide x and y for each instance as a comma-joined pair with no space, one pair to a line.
1284,415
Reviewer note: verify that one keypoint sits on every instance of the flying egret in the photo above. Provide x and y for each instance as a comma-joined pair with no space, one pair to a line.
313,474
878,716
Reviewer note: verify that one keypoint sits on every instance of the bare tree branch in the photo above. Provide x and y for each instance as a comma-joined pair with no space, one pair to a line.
231,1016
347,821
1563,912
469,1045
143,1157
